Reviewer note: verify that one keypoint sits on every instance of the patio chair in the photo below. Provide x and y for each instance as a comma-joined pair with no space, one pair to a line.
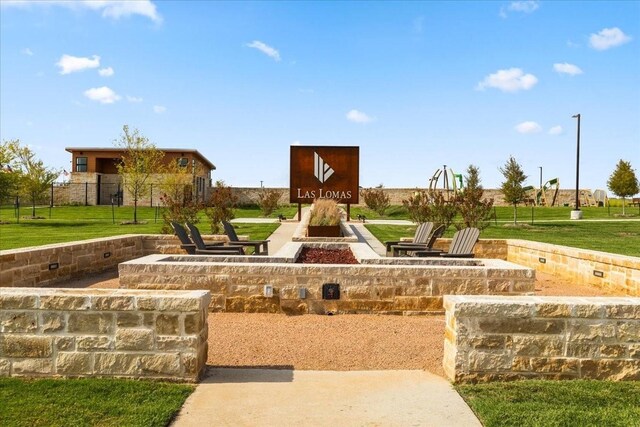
421,235
461,245
202,248
185,241
260,247
410,248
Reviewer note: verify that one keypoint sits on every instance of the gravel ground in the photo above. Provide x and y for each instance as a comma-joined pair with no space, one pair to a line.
341,343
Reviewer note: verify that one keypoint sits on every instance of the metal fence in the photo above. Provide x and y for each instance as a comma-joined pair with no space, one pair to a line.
98,193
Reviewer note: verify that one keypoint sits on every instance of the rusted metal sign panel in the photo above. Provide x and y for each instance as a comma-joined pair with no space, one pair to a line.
319,172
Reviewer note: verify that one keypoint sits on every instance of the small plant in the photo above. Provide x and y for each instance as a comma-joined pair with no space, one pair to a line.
268,201
376,200
220,206
325,212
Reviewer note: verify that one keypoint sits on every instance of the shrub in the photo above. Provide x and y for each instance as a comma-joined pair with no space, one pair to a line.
431,206
325,212
268,201
178,209
220,206
376,200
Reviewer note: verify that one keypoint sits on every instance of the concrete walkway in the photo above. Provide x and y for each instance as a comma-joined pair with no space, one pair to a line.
365,236
266,397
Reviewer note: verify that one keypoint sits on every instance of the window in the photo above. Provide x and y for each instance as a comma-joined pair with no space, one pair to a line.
183,162
81,164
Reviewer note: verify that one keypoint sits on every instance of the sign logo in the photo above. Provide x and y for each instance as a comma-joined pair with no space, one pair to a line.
321,169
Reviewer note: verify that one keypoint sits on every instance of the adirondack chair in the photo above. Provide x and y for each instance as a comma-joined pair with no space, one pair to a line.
186,242
420,237
410,248
202,248
260,247
461,245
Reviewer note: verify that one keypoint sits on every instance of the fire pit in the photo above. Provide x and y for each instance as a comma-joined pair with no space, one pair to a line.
310,255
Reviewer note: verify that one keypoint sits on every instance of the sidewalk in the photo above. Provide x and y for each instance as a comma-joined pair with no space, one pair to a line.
285,397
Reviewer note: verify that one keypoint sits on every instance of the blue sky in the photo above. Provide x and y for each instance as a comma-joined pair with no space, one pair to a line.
415,85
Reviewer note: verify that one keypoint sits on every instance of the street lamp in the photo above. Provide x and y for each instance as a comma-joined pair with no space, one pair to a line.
577,213
540,167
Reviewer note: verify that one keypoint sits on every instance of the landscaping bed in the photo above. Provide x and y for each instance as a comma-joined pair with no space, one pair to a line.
326,256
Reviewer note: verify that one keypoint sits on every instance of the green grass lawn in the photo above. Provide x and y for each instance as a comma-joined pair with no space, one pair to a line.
89,402
555,403
72,223
620,237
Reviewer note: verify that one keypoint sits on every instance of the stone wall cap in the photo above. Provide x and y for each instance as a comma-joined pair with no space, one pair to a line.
95,292
510,300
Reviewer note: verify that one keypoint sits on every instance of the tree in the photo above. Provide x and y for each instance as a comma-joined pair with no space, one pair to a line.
176,185
9,172
220,205
34,179
512,187
475,211
623,181
140,160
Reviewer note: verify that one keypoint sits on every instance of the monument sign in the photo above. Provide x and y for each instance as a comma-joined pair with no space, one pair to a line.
320,172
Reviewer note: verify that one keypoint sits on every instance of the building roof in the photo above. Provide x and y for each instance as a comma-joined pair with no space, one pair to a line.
166,150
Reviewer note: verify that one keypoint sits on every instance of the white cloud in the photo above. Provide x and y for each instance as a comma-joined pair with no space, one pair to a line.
106,72
528,127
265,48
103,95
358,117
524,6
115,9
159,109
511,80
556,130
608,38
566,68
27,51
72,64
133,99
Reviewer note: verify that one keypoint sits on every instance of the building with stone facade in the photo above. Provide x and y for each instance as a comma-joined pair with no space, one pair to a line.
94,178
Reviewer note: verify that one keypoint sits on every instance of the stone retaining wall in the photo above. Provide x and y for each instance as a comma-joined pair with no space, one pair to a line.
237,283
249,195
510,338
103,333
613,272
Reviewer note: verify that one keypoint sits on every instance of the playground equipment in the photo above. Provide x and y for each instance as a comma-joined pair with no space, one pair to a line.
540,197
587,199
601,198
550,188
451,182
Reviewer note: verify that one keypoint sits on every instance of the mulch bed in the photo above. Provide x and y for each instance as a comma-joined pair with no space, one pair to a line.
326,256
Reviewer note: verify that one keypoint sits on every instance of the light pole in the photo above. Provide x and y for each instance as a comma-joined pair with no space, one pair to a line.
577,213
540,167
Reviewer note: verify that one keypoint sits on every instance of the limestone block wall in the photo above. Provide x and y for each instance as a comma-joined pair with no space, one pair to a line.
489,339
103,333
48,264
484,248
237,284
396,195
602,269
